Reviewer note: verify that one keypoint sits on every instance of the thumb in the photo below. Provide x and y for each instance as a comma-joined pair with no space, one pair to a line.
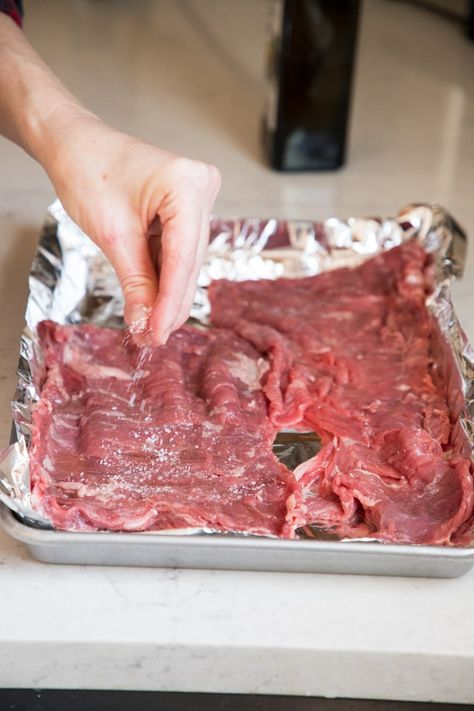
130,257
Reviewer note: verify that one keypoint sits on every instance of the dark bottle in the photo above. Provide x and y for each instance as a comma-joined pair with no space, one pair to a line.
310,67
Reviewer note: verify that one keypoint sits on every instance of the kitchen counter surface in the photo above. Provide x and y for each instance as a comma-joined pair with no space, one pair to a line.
188,630
412,139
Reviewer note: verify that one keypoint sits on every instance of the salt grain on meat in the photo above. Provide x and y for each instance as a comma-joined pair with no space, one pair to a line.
181,436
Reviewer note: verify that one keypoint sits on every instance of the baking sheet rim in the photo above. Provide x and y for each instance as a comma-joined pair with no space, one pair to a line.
181,535
35,536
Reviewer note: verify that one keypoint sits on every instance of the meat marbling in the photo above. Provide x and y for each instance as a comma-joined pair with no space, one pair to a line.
351,358
184,437
182,442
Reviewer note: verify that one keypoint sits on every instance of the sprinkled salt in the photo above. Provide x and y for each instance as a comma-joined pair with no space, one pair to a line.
141,324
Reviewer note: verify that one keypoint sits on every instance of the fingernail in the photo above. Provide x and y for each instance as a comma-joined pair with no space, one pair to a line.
161,340
138,317
140,339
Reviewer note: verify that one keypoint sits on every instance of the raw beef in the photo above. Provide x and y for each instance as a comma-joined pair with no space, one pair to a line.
181,436
178,439
351,358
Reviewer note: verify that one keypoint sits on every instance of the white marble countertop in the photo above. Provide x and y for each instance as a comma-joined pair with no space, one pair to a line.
329,635
412,139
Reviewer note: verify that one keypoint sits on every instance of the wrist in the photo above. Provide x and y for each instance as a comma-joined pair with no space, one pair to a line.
46,134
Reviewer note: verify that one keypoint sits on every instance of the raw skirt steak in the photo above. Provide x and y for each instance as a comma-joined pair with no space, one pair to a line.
183,437
351,356
175,440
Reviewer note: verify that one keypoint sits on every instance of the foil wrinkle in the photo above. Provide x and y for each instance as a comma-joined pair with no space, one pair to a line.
71,282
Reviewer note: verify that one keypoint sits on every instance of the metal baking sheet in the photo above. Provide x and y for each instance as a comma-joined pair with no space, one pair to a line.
247,248
228,552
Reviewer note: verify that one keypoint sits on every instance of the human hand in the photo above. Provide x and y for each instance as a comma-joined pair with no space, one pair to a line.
115,187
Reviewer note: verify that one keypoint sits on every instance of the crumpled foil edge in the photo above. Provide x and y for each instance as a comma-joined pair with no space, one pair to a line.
71,282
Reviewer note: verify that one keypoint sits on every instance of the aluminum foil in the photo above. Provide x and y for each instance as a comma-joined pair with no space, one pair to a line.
71,282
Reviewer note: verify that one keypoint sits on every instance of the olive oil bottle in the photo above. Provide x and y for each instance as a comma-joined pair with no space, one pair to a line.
309,78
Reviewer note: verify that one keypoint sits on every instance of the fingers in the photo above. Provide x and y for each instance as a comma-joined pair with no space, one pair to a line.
203,243
190,292
183,243
130,257
178,252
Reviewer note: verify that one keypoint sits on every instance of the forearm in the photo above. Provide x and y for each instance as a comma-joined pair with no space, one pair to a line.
35,108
